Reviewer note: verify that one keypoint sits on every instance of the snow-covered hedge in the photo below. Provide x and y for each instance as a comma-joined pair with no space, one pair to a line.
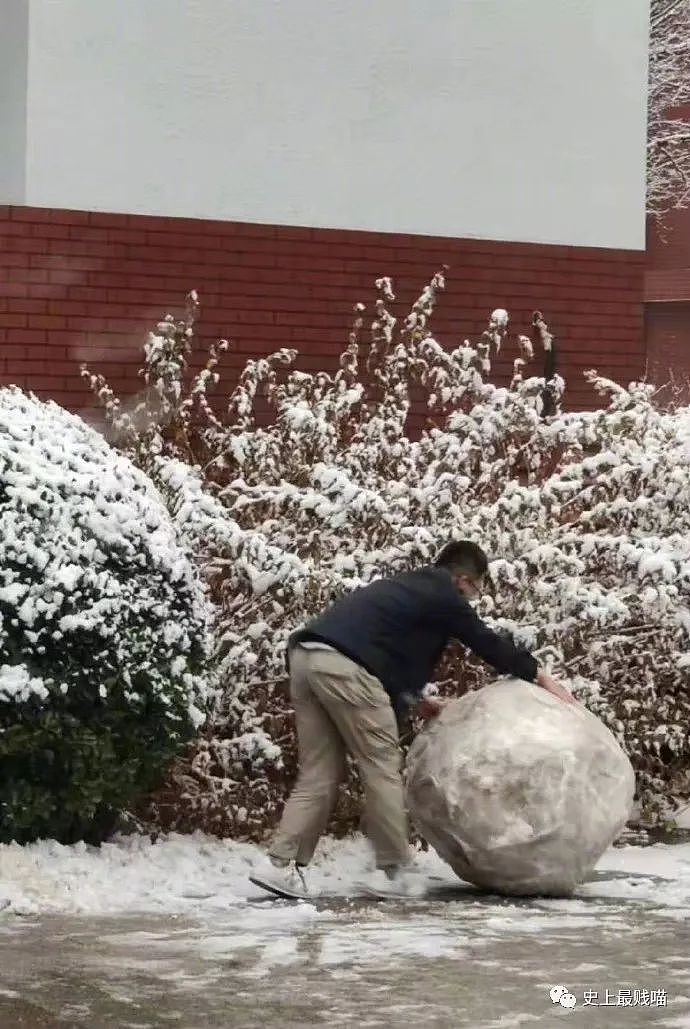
103,628
586,518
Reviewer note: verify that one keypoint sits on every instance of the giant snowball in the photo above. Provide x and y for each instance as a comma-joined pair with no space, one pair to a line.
519,792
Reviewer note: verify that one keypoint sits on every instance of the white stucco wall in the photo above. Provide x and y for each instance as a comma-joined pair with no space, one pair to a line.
504,119
14,40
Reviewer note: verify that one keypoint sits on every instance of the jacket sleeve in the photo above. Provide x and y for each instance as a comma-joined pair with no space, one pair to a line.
496,650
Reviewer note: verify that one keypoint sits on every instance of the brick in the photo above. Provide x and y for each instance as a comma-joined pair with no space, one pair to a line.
53,385
40,366
108,220
323,336
51,231
47,261
251,316
27,275
290,232
28,214
322,279
158,223
25,304
48,321
73,399
82,293
13,259
21,245
125,325
49,215
97,352
66,306
123,295
181,242
129,235
99,310
325,264
607,355
29,336
47,290
235,229
175,286
85,324
13,228
13,289
74,274
88,233
12,321
304,320
139,266
75,248
14,351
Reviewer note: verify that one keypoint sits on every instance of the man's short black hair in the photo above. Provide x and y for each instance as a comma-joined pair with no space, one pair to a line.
461,557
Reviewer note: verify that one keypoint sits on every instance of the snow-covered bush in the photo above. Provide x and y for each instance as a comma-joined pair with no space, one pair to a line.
103,628
585,517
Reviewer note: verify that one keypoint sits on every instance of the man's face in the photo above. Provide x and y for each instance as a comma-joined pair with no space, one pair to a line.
470,586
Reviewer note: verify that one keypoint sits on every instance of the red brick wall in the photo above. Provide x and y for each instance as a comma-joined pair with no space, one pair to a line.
668,341
668,245
80,286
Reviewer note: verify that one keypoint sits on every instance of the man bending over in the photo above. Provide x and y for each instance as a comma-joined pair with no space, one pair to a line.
352,669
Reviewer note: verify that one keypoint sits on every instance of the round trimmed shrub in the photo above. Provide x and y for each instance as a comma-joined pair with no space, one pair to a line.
103,640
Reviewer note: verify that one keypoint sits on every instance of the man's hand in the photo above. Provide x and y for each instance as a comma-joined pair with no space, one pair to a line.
429,707
551,686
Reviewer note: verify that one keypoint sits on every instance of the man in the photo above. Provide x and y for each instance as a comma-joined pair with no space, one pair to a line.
352,669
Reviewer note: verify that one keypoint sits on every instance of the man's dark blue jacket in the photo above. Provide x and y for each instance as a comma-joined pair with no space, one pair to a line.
398,628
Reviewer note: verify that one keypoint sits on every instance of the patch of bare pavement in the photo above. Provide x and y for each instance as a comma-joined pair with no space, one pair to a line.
460,959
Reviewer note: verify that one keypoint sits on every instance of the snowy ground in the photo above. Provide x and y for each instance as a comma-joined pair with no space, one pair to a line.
140,935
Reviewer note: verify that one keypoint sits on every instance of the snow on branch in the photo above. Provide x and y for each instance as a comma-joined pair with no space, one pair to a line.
586,517
668,112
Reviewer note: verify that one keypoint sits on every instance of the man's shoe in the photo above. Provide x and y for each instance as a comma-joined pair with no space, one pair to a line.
282,879
401,882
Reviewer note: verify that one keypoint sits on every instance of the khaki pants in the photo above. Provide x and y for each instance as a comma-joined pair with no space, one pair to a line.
339,707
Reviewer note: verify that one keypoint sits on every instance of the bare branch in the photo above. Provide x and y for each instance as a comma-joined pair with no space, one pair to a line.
661,14
668,133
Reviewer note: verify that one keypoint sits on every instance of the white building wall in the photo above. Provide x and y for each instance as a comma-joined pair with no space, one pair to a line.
503,119
14,41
